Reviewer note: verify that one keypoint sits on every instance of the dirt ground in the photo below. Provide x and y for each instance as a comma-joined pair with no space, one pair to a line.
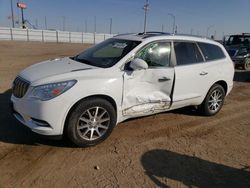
173,149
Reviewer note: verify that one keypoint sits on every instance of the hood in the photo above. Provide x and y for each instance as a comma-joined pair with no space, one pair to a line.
53,67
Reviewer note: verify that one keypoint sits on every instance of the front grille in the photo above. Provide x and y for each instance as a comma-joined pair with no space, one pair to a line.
20,87
232,53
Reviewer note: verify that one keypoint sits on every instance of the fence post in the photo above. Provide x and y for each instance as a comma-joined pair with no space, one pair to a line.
82,37
57,36
11,34
42,36
28,39
69,36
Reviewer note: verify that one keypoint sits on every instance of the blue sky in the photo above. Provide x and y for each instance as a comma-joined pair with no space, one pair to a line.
226,16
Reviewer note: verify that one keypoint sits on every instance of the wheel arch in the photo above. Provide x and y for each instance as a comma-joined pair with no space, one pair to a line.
102,96
223,84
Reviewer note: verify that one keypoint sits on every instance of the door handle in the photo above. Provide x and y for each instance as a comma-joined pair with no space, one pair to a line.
203,73
163,79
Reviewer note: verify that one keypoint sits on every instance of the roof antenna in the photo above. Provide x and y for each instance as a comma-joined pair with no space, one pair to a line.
145,8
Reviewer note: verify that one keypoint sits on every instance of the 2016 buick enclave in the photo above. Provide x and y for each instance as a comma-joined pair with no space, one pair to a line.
123,77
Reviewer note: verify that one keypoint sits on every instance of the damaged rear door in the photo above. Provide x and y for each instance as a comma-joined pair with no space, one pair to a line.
149,91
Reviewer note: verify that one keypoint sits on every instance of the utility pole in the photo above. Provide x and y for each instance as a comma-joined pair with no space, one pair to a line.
208,28
45,23
36,21
12,14
145,8
192,30
95,24
64,20
174,27
162,28
110,28
18,16
86,26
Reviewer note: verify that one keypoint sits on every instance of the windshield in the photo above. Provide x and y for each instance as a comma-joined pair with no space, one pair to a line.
238,40
107,53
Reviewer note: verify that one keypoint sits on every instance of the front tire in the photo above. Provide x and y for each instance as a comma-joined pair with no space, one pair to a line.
91,122
214,101
247,64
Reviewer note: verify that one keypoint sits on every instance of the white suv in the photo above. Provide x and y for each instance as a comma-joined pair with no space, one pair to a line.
123,77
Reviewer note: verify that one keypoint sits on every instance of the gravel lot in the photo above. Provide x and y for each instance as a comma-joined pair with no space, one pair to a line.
173,149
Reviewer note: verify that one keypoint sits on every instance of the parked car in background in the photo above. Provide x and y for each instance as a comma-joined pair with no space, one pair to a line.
124,77
238,47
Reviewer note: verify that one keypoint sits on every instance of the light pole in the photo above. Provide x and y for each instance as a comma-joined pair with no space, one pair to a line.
12,13
208,28
173,16
110,28
145,8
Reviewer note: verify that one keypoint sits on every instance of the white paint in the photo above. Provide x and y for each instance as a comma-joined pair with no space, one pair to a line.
136,93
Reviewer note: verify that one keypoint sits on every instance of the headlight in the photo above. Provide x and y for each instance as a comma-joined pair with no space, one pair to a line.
49,91
243,52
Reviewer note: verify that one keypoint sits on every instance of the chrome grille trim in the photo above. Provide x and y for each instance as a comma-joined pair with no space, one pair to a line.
20,87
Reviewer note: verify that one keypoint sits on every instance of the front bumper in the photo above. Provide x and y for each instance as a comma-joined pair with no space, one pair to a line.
239,61
42,117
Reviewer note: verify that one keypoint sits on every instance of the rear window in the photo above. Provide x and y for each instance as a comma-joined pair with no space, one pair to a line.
187,53
211,52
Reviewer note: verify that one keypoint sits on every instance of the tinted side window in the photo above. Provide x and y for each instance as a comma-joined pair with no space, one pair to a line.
211,52
187,53
156,54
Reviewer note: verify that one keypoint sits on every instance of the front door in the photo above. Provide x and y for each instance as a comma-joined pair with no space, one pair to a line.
149,91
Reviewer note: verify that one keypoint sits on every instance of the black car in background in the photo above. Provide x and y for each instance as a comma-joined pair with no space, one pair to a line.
238,47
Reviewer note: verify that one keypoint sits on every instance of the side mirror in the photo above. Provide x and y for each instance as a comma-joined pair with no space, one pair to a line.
138,64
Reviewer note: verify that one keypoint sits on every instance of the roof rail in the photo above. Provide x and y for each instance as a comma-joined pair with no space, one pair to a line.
153,33
190,35
123,34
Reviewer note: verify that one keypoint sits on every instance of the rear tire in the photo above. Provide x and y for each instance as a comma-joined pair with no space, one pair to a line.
214,101
91,122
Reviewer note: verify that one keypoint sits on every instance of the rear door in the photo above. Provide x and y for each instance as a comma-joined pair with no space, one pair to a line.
190,74
149,91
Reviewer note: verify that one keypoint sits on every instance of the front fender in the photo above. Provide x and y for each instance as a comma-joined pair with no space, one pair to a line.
111,87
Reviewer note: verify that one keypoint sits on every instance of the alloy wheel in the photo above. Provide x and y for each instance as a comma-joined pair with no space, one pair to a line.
93,123
215,100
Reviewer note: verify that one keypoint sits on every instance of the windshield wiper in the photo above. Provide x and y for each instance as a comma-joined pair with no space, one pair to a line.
81,60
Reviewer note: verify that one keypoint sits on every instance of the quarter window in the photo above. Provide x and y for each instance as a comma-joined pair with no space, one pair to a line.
211,52
187,53
156,54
